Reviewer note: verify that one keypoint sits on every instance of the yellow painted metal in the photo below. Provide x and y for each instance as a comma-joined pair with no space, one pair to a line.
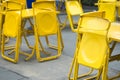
95,56
1,23
78,58
51,4
110,10
12,28
94,14
13,31
109,6
119,10
73,8
48,16
48,4
18,1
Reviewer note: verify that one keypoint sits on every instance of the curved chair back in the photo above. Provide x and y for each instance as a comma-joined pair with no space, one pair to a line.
109,6
13,5
42,4
46,22
18,1
73,8
92,50
12,23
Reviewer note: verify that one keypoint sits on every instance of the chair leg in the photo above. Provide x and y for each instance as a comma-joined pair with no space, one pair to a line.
117,76
39,58
71,68
75,76
52,46
62,25
27,41
99,74
16,58
7,40
96,77
31,55
105,68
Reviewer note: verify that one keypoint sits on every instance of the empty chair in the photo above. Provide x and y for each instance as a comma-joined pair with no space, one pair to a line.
73,8
109,6
46,24
100,14
48,4
12,28
97,56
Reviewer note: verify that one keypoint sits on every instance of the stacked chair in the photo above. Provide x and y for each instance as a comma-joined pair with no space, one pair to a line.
109,6
95,57
73,8
48,15
98,14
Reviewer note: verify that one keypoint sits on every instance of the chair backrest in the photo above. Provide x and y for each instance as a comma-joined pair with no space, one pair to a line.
110,10
73,7
93,46
19,1
12,23
43,4
12,5
46,21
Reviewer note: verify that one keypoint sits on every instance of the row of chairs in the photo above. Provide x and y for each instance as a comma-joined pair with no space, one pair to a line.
90,32
14,27
74,8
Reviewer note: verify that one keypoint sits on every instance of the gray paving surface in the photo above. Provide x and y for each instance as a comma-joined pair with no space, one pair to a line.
50,70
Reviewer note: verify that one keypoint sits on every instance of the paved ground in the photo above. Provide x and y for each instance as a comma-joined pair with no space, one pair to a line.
51,70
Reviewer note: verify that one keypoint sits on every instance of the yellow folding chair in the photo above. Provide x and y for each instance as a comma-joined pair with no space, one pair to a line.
12,28
48,4
100,14
109,6
11,4
73,8
97,56
42,17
